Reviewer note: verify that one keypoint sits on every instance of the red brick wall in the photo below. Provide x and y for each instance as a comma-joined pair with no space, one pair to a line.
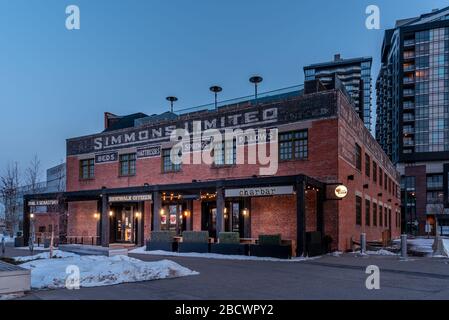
322,164
196,215
350,134
45,220
81,220
272,215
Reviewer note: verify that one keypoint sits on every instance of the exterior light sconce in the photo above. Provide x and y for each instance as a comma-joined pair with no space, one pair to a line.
351,177
180,216
111,213
225,210
245,212
138,215
96,215
162,212
31,215
186,213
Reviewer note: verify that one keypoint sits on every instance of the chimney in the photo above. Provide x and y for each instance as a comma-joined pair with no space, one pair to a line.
337,57
109,119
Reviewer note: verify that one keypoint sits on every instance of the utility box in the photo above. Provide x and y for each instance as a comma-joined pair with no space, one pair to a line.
14,279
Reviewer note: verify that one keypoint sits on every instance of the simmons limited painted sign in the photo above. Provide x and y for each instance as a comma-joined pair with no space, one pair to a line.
254,117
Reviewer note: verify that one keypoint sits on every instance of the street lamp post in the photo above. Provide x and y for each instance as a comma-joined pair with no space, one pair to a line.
31,240
216,90
255,80
172,99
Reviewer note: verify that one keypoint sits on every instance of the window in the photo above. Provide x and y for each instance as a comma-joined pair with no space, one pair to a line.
385,181
167,164
358,157
374,214
386,217
380,177
367,212
435,197
87,169
367,165
380,216
128,164
225,154
389,217
358,210
293,145
435,181
374,172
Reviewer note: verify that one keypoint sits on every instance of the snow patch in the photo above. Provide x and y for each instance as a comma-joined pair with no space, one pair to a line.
98,270
45,255
142,250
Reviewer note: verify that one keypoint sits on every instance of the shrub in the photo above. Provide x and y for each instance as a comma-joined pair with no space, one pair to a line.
270,239
229,237
195,236
162,236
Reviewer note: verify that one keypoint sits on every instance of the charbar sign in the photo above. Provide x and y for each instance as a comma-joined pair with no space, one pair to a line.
259,192
254,117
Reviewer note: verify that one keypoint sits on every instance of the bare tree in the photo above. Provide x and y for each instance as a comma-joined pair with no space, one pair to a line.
32,174
9,189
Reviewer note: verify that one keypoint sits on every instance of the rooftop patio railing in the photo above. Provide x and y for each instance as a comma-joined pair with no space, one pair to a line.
264,97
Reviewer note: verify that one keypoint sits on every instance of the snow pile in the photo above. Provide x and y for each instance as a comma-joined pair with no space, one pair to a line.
381,252
45,255
421,245
446,246
8,239
141,250
335,253
99,270
35,248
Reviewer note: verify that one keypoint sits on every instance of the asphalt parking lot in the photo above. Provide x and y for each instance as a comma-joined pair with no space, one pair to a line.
327,277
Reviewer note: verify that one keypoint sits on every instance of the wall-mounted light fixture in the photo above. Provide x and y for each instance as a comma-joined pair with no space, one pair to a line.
96,215
245,212
162,212
31,215
111,213
138,215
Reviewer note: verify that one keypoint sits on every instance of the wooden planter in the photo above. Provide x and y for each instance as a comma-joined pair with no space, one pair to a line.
162,245
273,251
230,248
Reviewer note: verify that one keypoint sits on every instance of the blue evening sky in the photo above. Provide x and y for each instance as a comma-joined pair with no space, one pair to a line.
130,54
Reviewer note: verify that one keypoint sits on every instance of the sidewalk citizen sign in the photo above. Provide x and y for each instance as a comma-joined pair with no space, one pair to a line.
130,198
36,203
341,191
259,192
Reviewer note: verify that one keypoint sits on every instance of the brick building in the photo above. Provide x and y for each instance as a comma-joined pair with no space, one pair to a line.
121,184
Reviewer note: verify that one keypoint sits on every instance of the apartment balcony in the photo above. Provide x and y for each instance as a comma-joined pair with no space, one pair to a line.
409,43
408,143
408,106
408,55
409,93
409,68
409,80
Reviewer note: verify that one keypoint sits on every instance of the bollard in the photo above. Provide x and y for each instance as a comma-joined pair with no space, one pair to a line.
403,246
363,243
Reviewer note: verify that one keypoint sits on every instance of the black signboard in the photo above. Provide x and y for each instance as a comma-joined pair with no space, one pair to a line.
149,152
106,157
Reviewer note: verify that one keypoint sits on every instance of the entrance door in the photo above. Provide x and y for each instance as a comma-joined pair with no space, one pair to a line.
125,230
